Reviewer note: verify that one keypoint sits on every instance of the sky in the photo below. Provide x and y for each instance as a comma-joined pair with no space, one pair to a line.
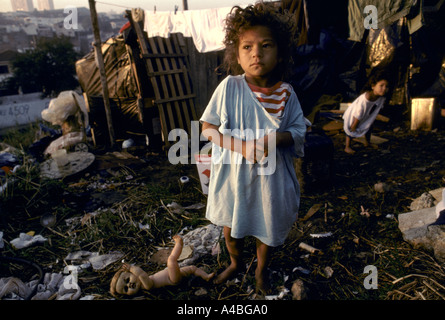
119,5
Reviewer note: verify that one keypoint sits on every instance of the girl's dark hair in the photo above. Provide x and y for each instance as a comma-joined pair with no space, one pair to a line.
281,23
375,76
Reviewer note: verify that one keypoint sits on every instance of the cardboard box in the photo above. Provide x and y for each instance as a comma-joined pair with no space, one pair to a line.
424,113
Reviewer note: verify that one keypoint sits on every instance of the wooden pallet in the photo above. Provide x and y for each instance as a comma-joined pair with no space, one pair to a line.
167,67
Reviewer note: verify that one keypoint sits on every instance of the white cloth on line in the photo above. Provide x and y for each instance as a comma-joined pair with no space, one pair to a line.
206,27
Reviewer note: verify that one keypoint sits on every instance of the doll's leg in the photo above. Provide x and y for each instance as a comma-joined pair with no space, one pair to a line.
174,272
235,248
194,270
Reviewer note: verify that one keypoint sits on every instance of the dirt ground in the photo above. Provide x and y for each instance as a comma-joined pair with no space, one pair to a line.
358,225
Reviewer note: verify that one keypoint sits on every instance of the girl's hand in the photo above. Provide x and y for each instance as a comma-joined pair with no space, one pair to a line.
253,151
257,150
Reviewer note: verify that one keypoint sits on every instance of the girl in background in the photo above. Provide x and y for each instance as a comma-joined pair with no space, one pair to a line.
361,114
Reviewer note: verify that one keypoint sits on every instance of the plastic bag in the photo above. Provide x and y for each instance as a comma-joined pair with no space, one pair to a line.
67,104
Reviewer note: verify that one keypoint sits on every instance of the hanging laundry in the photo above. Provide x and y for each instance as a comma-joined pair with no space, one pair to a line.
388,12
206,27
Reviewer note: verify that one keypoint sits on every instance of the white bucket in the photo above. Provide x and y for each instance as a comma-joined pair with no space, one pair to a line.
203,162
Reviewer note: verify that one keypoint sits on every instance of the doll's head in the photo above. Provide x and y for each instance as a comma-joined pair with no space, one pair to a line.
280,23
124,282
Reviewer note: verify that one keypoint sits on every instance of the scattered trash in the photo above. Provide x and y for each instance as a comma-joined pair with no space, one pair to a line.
426,200
312,211
203,240
381,187
58,287
98,262
309,248
283,292
178,209
321,235
127,143
184,179
69,111
365,212
299,290
25,240
201,292
73,163
302,270
328,272
47,220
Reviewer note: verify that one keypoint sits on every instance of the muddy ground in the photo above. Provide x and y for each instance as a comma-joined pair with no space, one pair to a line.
138,190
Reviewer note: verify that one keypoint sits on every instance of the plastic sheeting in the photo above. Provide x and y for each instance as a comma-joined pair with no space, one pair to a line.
120,78
122,86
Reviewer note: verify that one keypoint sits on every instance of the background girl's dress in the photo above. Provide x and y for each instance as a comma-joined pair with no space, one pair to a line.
365,111
260,200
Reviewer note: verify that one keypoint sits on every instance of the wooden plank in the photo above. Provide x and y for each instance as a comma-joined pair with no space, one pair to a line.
167,68
165,72
171,82
177,64
164,91
183,64
178,98
150,68
165,55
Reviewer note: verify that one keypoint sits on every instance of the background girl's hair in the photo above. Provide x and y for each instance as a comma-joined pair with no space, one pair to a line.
280,22
375,77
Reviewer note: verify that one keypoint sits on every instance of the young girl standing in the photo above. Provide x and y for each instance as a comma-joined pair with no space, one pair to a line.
361,114
254,115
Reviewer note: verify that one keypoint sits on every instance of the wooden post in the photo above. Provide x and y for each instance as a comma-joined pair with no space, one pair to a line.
100,61
185,5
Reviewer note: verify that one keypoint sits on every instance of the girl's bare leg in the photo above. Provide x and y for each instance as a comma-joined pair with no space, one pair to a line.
261,272
368,141
348,148
235,248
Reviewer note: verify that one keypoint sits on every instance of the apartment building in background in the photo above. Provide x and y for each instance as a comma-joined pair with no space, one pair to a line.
45,5
22,5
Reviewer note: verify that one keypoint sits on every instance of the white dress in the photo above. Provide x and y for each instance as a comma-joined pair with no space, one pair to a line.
363,110
260,200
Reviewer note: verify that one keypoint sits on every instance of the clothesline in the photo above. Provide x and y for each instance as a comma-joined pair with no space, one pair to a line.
126,7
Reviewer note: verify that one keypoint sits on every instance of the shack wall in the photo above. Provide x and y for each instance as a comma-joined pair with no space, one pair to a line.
204,74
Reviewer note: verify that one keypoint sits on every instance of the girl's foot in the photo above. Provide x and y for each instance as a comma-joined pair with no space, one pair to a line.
262,283
349,150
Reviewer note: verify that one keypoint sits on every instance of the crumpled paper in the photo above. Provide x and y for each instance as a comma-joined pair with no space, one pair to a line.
97,261
54,286
25,240
203,240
